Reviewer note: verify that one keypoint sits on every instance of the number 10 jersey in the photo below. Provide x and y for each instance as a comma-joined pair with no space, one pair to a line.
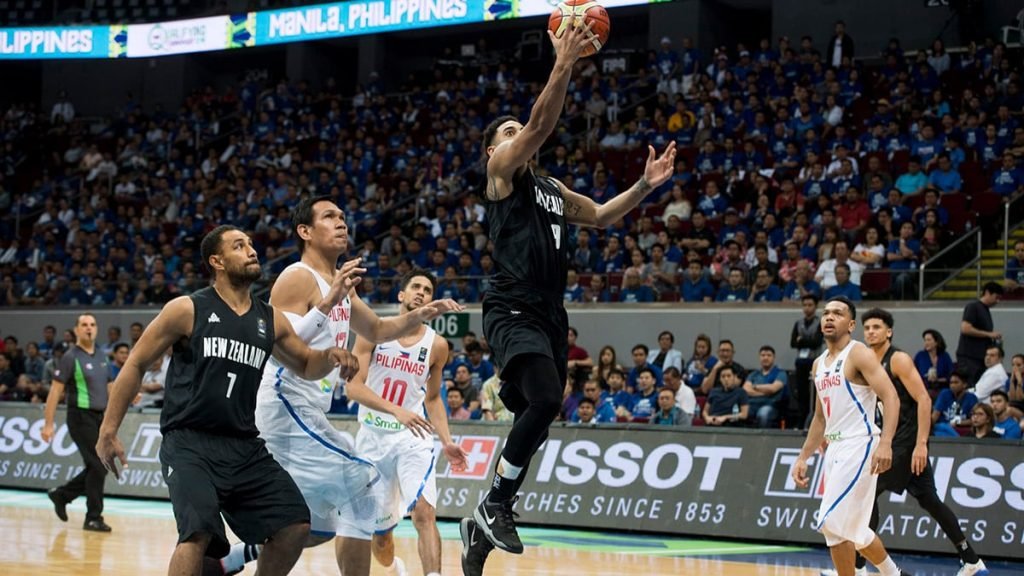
399,375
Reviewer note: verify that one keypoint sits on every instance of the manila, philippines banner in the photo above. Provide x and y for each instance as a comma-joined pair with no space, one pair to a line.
697,482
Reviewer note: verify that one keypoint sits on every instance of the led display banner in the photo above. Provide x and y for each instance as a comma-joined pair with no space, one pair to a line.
696,482
264,28
361,17
56,42
178,37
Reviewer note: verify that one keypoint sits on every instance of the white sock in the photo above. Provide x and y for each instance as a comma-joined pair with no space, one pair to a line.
239,554
888,567
507,470
434,574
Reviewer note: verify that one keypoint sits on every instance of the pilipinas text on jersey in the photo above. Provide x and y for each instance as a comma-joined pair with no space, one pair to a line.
398,374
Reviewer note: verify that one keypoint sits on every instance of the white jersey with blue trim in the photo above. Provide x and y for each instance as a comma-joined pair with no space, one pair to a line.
399,375
279,379
849,408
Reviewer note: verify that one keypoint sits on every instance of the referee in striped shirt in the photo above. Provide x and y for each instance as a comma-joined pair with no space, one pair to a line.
84,374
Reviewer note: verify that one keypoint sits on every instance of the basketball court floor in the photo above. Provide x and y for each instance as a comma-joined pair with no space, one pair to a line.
35,542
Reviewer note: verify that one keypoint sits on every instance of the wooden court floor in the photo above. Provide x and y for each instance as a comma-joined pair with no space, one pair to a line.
37,543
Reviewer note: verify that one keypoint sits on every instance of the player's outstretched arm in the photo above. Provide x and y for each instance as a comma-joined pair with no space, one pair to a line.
357,391
874,375
377,330
434,405
902,366
309,364
297,294
585,212
171,324
512,154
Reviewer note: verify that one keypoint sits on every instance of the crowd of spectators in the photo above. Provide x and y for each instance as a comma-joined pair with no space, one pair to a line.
662,386
26,372
798,173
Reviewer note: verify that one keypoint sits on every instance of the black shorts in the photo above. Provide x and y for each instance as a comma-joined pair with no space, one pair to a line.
899,476
208,475
517,323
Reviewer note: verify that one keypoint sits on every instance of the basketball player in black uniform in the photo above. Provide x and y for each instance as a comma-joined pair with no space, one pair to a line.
213,460
523,313
911,469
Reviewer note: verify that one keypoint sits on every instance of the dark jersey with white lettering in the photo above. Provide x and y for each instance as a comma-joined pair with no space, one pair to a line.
531,247
214,375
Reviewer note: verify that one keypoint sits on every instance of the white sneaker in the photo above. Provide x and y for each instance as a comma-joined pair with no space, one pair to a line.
858,572
976,569
398,568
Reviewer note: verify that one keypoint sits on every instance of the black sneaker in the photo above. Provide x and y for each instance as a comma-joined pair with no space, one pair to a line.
475,548
59,505
496,521
96,526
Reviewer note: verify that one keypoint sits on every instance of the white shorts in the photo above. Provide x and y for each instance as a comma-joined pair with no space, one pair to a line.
406,465
336,484
845,511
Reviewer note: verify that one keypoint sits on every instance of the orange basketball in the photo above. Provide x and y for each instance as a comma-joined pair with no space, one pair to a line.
581,13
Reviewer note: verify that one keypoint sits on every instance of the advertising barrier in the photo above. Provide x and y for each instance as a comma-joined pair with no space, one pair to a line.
689,482
264,28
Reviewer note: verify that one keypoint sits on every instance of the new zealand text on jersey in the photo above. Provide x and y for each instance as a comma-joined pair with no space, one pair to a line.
550,202
401,364
216,347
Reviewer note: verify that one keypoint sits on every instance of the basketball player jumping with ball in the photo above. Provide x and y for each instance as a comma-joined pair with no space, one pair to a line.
523,313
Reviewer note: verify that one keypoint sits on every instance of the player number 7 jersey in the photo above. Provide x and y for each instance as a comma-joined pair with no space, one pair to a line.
399,375
849,408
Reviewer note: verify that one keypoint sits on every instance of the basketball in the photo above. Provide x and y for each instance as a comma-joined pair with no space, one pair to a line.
582,12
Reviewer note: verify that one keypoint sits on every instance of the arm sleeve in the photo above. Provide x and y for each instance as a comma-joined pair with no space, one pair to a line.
309,325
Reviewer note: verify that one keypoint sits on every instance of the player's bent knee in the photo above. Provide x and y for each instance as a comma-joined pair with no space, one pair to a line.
423,515
201,539
292,535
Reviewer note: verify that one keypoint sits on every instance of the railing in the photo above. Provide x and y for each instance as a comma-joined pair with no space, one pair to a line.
1017,208
958,251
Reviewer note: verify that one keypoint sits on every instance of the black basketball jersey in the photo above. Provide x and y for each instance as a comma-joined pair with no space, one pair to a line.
531,243
906,426
214,375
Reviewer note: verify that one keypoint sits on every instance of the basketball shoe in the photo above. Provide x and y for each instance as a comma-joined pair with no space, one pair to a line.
976,569
475,547
858,572
496,520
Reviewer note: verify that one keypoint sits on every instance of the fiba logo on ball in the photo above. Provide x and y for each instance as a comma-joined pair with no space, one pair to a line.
157,37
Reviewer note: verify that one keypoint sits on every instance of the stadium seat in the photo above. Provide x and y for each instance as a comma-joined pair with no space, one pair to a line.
875,283
986,203
956,206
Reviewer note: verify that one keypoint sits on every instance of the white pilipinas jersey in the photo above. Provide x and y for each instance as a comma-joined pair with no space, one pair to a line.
277,378
399,375
849,408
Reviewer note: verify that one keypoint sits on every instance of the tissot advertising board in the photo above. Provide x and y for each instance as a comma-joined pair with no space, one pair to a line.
688,482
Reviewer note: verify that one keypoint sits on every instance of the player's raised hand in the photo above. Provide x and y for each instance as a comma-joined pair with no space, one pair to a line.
456,457
346,362
416,424
659,170
882,459
428,312
574,40
799,472
110,450
345,279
